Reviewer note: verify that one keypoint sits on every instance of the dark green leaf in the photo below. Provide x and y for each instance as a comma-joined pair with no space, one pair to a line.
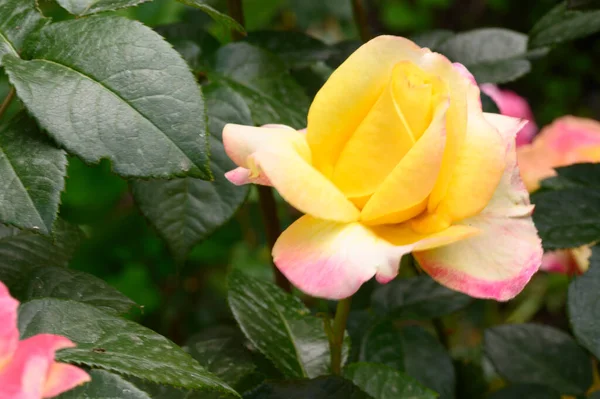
21,250
320,388
221,351
567,218
471,381
218,16
18,18
561,24
413,350
280,326
417,298
492,55
185,211
105,385
264,82
111,343
488,104
191,41
583,4
432,39
341,51
529,391
120,93
60,282
530,353
595,395
584,305
584,174
296,49
86,7
32,171
383,382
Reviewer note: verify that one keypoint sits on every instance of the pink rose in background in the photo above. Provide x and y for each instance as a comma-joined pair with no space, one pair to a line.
511,104
569,140
27,367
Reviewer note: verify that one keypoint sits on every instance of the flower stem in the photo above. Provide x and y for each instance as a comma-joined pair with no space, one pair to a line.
7,100
268,206
236,11
361,19
336,341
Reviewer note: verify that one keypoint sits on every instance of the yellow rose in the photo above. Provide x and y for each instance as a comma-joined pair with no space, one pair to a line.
398,157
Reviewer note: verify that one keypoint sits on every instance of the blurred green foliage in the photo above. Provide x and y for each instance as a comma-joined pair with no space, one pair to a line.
177,301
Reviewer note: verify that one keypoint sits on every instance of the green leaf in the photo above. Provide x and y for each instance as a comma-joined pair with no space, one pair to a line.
280,326
59,282
492,55
185,211
115,344
221,351
530,353
341,51
105,385
18,19
582,305
583,4
432,39
383,382
264,82
562,226
332,387
217,16
488,104
192,41
295,49
529,391
121,92
87,7
413,350
21,250
561,24
584,174
417,298
32,171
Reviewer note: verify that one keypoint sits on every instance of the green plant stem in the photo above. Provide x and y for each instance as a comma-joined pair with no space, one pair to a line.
336,342
7,100
268,206
236,11
361,20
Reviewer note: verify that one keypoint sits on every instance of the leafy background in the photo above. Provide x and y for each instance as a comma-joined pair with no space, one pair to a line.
182,285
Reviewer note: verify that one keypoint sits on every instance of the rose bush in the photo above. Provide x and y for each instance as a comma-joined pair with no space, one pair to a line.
397,157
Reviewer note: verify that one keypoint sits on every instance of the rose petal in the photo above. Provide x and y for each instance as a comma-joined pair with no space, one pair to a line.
403,193
500,261
63,377
477,171
25,375
9,335
332,260
281,157
377,145
240,176
511,104
559,262
350,93
566,141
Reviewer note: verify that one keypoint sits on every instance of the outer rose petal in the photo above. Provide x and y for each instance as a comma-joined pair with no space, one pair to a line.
511,104
559,262
63,377
567,141
9,334
332,260
499,262
240,176
281,157
25,376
